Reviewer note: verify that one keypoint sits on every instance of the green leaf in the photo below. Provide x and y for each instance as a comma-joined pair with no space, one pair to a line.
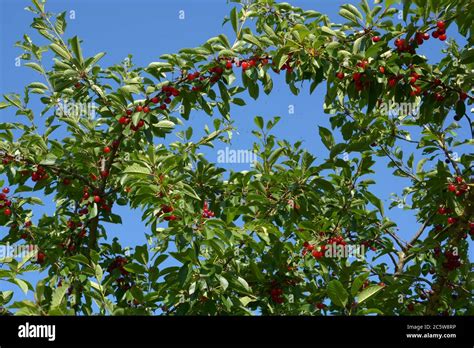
258,121
135,268
137,169
76,48
60,51
358,282
57,297
234,19
35,66
326,137
368,292
337,293
375,201
224,283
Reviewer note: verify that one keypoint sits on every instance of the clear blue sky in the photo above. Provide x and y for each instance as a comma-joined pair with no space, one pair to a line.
147,29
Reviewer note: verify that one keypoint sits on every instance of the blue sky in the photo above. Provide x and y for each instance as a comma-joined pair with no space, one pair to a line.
148,29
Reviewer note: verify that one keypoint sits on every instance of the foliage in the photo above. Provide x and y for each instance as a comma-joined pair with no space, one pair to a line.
246,242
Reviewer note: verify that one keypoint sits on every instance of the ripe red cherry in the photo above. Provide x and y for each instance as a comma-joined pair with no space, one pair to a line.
442,210
228,65
451,188
129,112
376,39
340,75
97,199
426,36
155,100
163,106
170,218
320,305
107,149
146,109
104,173
441,25
382,70
40,257
7,212
451,220
6,190
245,65
442,37
459,180
435,34
139,108
123,120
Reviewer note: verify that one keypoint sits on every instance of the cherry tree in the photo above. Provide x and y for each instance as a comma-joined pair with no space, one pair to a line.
272,240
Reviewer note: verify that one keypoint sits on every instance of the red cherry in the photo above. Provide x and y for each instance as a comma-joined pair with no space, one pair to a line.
245,65
426,36
435,34
146,109
97,199
129,112
163,106
155,100
442,210
104,173
107,149
320,305
340,75
463,96
7,212
459,180
451,220
40,257
310,247
66,181
441,25
140,123
123,120
376,39
451,188
356,76
442,37
139,108
6,190
382,70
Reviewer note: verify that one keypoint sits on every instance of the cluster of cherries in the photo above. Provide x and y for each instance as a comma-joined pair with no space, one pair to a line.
458,187
39,174
440,32
5,203
166,209
206,213
118,263
276,292
96,199
318,254
452,261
